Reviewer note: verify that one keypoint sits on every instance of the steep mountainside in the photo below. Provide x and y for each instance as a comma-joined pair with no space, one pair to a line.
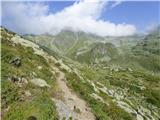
88,79
27,82
33,87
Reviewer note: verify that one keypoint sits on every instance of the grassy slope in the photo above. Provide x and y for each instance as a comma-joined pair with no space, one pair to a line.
119,80
39,104
101,111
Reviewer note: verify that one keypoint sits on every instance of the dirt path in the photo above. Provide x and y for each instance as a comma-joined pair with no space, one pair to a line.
71,105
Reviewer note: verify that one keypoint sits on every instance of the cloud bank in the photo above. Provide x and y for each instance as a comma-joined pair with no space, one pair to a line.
36,18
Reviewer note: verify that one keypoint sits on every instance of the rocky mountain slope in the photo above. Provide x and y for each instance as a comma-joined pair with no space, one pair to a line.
90,49
66,42
89,78
33,87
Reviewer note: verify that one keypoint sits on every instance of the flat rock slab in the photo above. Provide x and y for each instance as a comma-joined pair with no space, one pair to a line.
39,82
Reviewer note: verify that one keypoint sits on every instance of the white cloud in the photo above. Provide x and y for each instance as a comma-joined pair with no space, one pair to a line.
35,18
116,3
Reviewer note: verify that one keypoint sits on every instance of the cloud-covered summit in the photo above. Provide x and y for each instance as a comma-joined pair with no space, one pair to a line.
36,18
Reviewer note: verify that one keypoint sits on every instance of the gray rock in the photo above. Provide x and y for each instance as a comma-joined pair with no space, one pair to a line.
24,80
39,82
15,61
39,67
129,69
14,79
27,93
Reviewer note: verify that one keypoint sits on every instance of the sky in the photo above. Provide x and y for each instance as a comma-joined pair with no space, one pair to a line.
99,17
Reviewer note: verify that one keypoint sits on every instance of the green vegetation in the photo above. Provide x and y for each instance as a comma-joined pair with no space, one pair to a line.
20,98
40,106
101,110
124,77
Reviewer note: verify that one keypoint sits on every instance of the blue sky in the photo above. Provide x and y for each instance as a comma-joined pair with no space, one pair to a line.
141,13
101,18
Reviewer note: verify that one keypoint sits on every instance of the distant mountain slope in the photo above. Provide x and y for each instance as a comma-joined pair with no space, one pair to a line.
150,44
137,51
147,52
98,52
43,40
66,42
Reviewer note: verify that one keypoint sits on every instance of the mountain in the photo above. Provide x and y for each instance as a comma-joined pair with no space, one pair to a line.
97,52
150,44
90,78
147,51
88,48
66,42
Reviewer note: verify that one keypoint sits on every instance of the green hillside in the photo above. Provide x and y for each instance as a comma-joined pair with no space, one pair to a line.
115,81
22,99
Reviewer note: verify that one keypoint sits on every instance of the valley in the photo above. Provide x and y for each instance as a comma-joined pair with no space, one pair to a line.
80,76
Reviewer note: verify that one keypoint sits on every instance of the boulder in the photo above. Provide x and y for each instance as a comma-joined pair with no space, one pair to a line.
27,93
39,67
24,80
14,79
39,82
15,61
